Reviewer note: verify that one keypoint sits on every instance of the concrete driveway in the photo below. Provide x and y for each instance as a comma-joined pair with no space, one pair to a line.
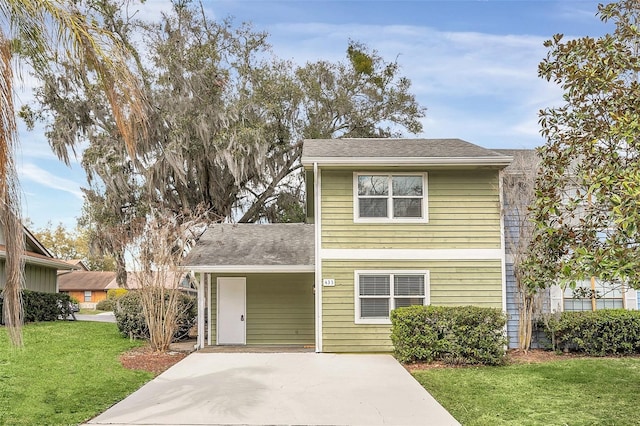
101,317
280,388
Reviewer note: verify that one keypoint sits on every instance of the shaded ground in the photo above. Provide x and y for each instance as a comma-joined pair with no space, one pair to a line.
144,358
514,356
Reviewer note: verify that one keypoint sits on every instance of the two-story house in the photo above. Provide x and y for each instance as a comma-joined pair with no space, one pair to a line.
390,223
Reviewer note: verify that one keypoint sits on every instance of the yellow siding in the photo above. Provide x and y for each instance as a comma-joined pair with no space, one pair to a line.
463,212
280,308
452,283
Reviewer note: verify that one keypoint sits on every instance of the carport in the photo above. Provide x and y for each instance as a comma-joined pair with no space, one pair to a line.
280,388
255,285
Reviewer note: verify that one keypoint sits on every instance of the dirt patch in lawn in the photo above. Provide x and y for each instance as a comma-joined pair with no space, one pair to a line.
143,358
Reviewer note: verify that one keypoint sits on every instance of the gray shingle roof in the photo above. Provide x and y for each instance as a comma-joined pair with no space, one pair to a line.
243,244
395,148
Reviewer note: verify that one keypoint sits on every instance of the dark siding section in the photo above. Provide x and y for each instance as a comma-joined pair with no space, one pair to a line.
36,278
512,307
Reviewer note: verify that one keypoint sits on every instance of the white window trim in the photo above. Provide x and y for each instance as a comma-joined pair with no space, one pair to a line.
390,219
356,291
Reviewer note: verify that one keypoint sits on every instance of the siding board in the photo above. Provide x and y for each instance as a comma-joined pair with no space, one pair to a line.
463,212
280,308
452,283
36,277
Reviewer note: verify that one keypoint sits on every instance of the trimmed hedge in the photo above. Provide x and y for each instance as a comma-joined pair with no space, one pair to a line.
454,335
131,322
598,333
40,306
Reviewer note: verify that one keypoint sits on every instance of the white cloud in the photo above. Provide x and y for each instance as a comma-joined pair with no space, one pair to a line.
481,87
36,174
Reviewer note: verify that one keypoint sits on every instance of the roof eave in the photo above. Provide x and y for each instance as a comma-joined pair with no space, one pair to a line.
249,269
408,161
53,263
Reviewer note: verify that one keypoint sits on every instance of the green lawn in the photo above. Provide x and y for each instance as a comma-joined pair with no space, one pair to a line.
67,373
582,391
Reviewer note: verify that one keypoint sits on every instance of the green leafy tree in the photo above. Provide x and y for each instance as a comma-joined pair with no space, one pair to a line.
39,33
227,123
70,245
588,194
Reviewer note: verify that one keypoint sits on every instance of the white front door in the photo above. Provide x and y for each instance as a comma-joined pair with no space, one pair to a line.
232,292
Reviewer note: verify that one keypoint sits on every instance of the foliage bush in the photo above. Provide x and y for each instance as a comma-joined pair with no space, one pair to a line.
131,321
116,293
109,304
40,306
598,333
105,305
454,335
129,316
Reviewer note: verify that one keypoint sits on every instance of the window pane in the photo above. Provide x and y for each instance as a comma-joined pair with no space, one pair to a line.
374,285
609,304
408,301
408,285
577,304
407,207
407,185
373,185
373,207
374,308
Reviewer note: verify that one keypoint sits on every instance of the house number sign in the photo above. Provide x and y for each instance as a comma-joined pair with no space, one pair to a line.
328,282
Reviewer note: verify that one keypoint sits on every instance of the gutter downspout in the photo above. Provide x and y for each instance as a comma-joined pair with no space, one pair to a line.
503,254
207,279
503,248
318,260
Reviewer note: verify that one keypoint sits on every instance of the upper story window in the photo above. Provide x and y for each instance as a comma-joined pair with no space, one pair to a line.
390,197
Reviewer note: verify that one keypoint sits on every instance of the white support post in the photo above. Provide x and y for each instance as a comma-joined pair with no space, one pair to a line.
200,286
208,281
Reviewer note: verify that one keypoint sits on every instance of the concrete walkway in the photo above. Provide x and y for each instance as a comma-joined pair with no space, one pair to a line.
101,317
280,388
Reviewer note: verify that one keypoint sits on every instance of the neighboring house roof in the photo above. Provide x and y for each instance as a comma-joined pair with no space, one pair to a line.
283,247
523,159
171,279
104,280
35,253
32,244
87,280
399,151
78,263
38,259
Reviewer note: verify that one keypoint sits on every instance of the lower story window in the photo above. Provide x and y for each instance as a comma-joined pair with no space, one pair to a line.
87,296
606,296
378,293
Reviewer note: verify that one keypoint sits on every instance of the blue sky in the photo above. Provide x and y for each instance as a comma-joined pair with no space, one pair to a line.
473,64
